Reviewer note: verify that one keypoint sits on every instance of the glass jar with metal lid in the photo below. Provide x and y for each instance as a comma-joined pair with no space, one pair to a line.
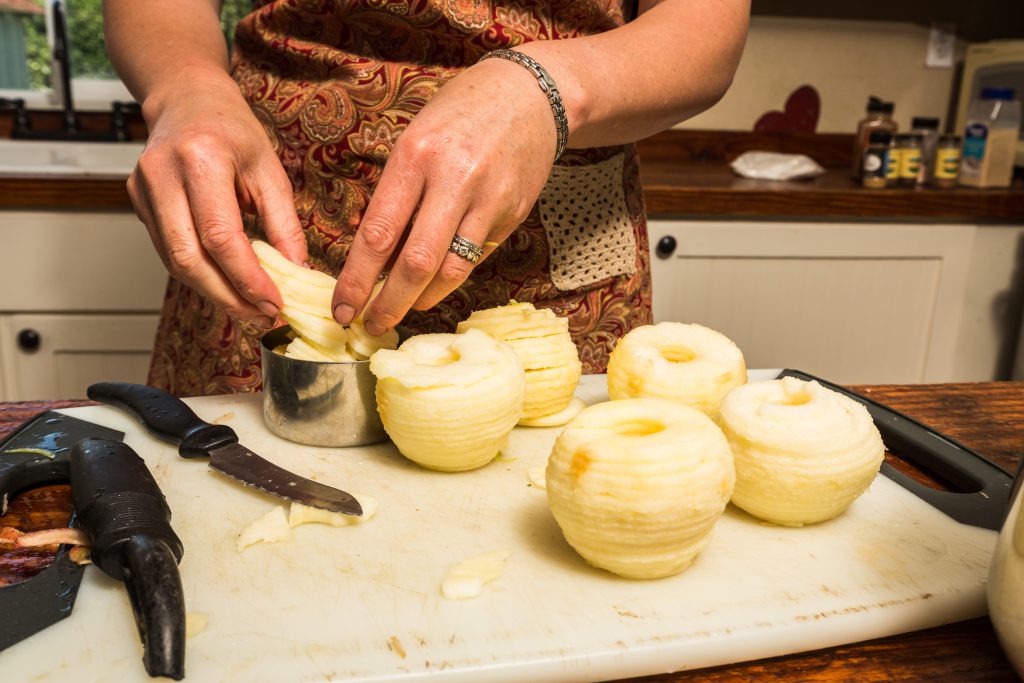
947,161
908,168
875,162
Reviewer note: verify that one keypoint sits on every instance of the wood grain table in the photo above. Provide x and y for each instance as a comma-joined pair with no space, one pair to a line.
988,417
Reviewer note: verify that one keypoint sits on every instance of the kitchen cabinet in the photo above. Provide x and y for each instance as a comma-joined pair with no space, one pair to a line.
851,302
79,298
59,355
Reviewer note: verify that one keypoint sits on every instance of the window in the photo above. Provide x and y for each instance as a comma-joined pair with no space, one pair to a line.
25,56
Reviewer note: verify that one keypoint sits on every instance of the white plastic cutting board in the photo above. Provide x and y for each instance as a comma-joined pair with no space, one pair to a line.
363,603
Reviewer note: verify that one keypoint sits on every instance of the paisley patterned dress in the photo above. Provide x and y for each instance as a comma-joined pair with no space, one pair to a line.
334,82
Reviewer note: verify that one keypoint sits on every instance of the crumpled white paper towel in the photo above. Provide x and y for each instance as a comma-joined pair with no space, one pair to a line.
776,166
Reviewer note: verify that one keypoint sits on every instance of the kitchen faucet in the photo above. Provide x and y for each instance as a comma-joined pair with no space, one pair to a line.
62,84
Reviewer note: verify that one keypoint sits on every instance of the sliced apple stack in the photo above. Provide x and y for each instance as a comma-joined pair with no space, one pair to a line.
449,401
541,340
682,362
307,298
637,485
803,453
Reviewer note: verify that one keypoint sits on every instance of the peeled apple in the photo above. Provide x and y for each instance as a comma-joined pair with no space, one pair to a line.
803,453
307,296
552,364
637,485
682,362
449,401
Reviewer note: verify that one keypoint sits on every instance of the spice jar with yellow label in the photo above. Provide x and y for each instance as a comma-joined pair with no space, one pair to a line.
908,167
947,161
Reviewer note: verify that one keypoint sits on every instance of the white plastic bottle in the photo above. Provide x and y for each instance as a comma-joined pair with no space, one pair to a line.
990,139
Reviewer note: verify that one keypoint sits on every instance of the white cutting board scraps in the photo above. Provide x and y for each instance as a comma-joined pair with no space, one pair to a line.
363,603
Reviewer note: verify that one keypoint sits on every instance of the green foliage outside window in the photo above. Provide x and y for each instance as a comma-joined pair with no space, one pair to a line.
88,51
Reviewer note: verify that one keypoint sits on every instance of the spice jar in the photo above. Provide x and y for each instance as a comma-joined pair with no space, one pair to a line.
947,161
928,128
909,166
876,160
892,165
878,118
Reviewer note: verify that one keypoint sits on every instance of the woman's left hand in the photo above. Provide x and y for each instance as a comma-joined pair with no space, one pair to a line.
472,163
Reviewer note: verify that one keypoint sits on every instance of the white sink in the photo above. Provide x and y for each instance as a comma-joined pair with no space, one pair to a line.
68,158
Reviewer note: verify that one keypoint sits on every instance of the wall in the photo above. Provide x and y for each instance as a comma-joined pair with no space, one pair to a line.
845,60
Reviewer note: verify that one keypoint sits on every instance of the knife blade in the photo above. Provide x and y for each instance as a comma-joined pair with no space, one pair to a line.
169,419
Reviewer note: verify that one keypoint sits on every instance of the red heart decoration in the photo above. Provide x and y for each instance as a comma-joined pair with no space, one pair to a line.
801,113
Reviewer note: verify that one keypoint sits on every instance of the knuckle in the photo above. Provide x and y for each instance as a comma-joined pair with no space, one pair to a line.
182,259
217,234
420,145
420,260
149,165
454,270
379,235
196,146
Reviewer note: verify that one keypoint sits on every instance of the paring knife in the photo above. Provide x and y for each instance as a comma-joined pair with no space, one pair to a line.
121,508
169,419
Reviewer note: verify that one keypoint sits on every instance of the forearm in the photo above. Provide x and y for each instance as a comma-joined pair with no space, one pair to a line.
672,62
165,50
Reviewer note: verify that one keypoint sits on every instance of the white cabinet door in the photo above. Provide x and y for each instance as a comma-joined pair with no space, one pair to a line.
74,350
854,303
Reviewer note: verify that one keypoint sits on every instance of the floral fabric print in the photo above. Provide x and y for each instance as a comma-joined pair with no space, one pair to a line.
334,83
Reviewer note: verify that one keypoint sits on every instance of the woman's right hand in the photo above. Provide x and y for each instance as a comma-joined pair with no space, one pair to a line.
206,160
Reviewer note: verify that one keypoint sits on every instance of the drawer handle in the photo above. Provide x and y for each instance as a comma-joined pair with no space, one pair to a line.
29,340
666,247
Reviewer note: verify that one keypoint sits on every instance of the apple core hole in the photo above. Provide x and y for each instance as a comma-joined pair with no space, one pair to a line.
675,353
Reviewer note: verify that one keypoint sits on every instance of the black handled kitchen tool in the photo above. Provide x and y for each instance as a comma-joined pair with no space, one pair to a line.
125,515
984,493
29,606
168,418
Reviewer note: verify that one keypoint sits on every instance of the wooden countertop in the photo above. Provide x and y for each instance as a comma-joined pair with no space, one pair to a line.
988,417
684,174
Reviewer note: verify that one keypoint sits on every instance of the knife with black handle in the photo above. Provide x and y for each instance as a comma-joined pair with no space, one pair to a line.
169,419
124,513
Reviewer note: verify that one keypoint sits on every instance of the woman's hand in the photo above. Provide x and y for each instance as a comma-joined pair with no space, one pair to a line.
206,160
472,163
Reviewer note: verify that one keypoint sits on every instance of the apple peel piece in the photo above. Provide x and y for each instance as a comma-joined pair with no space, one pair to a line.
52,537
269,528
195,623
555,419
467,578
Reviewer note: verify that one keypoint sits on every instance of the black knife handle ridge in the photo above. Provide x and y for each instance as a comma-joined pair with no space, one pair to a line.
121,508
165,417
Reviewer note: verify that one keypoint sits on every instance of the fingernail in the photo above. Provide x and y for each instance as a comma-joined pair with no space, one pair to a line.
375,329
268,308
263,322
344,313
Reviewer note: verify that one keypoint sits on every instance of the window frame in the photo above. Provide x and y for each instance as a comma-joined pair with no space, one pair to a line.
88,94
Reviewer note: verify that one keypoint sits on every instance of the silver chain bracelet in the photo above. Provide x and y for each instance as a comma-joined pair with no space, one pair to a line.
547,86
